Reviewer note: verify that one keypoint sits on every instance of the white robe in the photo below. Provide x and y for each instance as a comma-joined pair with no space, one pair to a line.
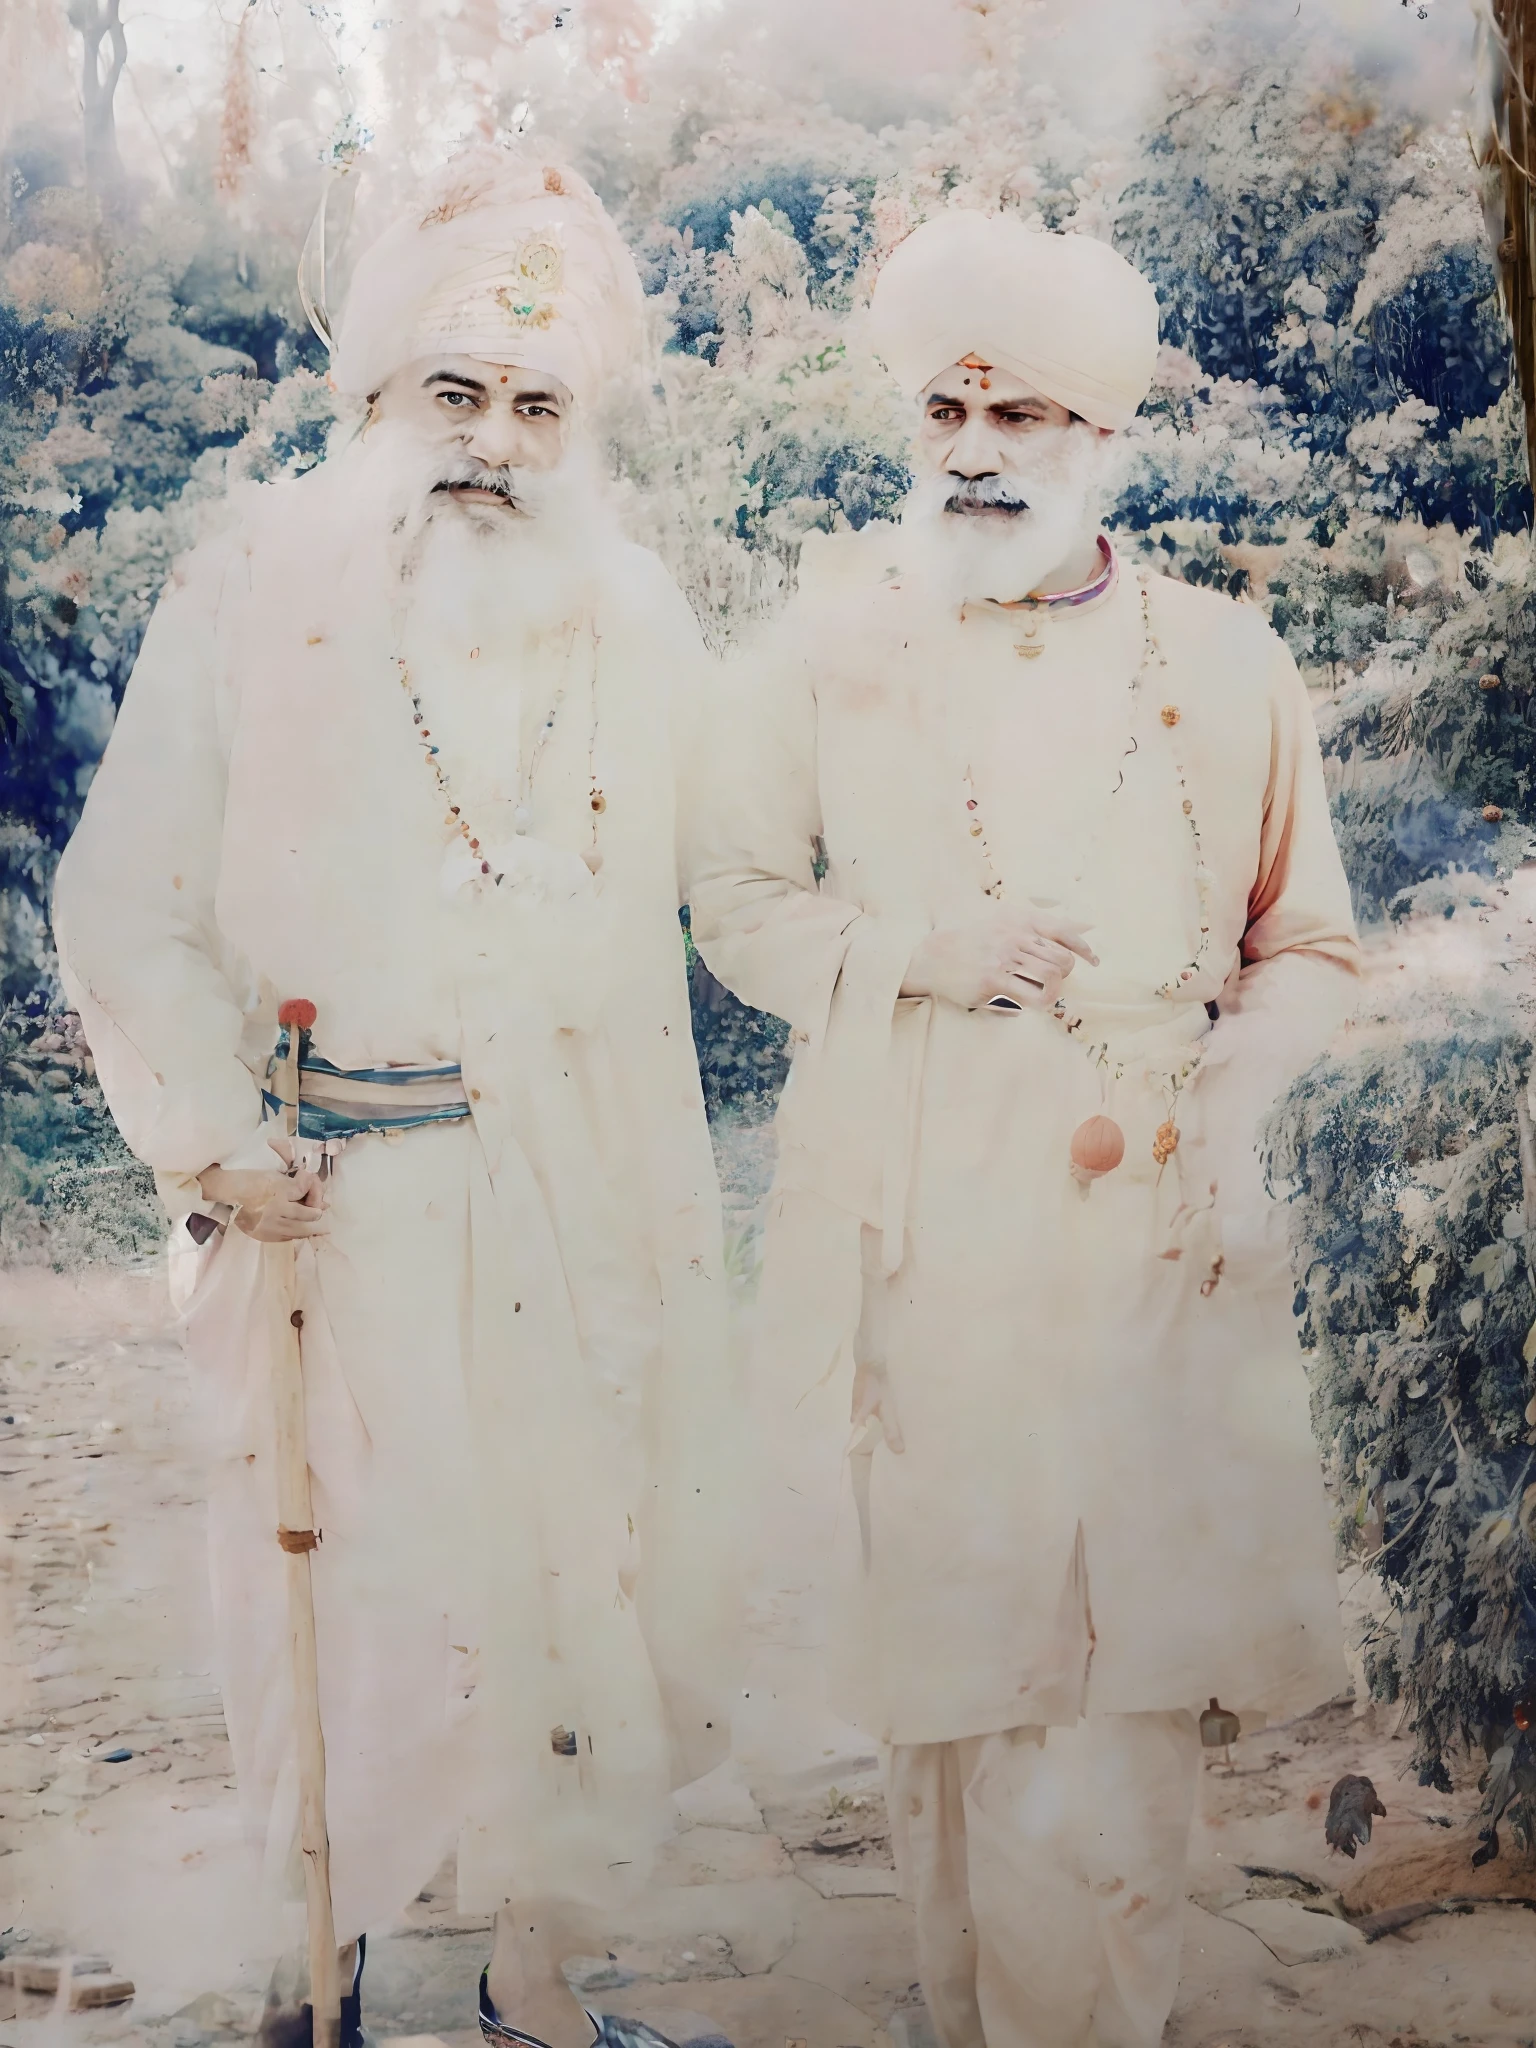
513,1355
1109,1499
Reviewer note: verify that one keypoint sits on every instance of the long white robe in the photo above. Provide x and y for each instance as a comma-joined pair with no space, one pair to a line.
513,1358
1109,1499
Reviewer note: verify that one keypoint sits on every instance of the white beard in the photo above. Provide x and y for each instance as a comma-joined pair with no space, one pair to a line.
488,602
517,577
1060,476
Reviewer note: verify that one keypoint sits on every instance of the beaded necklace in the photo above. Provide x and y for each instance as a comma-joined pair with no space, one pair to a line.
522,815
1100,1053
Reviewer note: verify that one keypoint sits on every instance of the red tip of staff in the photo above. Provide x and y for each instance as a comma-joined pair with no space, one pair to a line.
299,1012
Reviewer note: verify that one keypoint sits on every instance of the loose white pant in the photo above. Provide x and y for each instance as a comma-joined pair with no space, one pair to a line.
1047,1869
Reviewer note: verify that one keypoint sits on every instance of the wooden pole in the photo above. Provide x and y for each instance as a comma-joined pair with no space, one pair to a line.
296,1535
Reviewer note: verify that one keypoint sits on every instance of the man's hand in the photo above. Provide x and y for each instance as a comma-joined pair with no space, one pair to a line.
1024,955
274,1208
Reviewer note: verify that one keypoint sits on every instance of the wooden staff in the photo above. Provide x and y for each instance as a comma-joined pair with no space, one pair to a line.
296,1535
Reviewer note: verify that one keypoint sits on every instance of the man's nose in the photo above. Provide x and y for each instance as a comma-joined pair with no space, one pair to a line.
974,452
496,438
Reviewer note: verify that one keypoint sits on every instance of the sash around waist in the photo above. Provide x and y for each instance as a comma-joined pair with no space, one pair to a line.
341,1102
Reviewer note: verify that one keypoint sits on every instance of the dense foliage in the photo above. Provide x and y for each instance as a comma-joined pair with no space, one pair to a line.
1415,1182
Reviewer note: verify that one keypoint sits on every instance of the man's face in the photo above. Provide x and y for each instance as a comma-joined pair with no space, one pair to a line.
485,422
1012,491
982,427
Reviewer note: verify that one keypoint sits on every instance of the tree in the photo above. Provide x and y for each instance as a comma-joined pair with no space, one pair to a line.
102,36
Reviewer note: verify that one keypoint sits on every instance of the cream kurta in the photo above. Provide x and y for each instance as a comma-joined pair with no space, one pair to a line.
1109,1498
512,1349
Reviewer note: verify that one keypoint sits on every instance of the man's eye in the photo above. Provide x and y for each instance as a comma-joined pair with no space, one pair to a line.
456,398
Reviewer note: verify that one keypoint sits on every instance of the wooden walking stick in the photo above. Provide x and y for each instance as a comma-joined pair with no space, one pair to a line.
296,1535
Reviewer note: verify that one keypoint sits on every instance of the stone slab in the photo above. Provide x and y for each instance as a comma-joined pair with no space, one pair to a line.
720,1800
757,1919
1292,1934
846,1880
863,1949
709,1855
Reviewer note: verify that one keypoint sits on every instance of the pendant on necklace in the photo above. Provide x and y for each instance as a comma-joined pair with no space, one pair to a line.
521,821
1029,646
1098,1146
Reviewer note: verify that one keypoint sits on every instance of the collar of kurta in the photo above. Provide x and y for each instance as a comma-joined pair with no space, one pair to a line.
1092,592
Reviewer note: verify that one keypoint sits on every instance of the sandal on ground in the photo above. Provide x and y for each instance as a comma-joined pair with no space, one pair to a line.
610,2031
295,2028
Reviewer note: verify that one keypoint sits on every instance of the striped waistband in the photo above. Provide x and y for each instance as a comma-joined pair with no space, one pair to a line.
345,1102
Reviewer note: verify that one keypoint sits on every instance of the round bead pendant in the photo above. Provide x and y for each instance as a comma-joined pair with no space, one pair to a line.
1098,1146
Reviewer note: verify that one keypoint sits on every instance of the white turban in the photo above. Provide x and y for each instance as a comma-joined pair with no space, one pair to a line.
512,261
1064,313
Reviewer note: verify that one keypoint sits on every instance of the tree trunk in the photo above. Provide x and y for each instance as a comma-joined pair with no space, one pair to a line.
100,22
1508,56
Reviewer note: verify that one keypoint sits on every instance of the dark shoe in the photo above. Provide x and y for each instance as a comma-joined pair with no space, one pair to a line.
495,2029
611,2032
294,2027
352,2035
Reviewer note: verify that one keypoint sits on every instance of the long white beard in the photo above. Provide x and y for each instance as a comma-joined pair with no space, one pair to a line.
1060,477
526,574
488,605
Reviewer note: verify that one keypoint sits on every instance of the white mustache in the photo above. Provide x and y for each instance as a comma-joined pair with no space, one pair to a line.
505,482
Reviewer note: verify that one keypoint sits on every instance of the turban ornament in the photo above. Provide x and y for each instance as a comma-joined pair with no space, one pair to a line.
1064,313
508,260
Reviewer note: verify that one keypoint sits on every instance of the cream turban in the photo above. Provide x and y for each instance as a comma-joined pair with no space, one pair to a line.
1062,312
510,260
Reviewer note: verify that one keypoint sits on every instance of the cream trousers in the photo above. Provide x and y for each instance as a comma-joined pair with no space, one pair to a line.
1047,1869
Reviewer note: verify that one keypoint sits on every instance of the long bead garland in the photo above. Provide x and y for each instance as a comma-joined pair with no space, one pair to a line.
1171,717
1099,1053
522,814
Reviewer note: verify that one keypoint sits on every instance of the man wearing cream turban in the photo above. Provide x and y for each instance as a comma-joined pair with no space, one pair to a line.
1031,848
400,742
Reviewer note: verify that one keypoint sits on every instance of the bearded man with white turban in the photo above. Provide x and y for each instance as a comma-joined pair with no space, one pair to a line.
399,744
1033,852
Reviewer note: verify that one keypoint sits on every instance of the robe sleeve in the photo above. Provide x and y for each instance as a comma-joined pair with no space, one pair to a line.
1299,901
764,926
133,909
1300,957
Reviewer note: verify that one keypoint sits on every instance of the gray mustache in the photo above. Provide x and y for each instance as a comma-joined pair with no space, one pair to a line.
502,481
986,493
